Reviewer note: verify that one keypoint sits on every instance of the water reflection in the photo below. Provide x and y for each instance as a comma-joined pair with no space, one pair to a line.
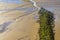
3,27
12,1
6,24
28,11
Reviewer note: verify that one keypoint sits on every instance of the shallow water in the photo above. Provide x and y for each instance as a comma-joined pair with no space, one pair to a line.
11,1
17,20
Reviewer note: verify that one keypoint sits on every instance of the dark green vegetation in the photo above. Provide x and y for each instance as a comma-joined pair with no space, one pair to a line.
46,21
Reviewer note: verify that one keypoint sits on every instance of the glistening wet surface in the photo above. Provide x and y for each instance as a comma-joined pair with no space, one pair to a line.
18,18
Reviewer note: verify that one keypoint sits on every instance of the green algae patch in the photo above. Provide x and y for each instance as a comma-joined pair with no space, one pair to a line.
46,21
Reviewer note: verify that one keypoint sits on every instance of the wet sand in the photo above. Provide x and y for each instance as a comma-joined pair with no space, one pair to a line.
57,31
24,28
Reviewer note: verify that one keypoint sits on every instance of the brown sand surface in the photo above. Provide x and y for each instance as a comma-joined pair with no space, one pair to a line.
24,28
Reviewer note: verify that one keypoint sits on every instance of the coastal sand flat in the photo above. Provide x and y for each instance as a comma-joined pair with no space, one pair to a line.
24,28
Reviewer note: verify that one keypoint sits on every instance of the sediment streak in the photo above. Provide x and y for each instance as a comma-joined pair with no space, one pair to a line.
34,4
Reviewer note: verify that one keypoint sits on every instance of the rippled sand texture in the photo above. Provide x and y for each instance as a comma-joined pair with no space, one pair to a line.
18,21
18,24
